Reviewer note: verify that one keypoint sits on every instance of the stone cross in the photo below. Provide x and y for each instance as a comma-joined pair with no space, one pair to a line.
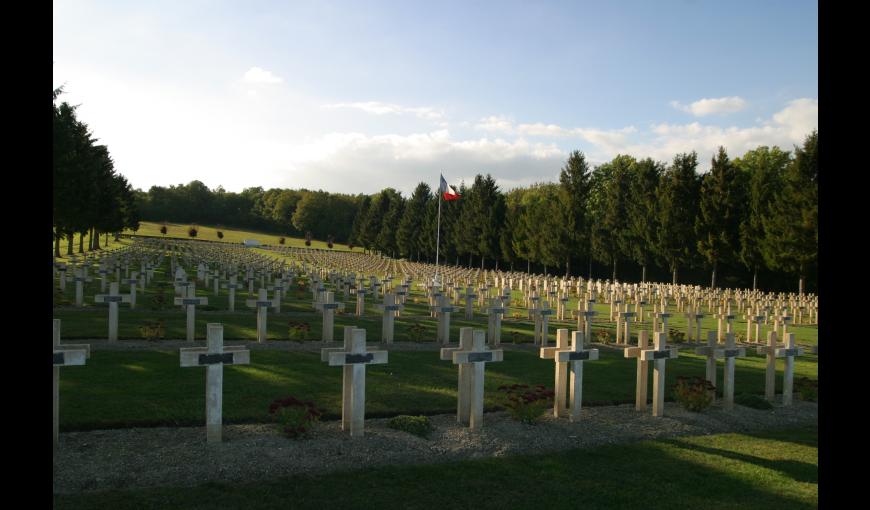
262,304
361,301
354,359
104,277
659,355
563,354
388,322
641,392
542,317
132,282
463,393
626,339
724,316
190,302
443,311
276,297
214,356
80,279
493,327
113,298
709,351
773,352
232,286
476,357
328,307
61,269
729,353
64,356
469,303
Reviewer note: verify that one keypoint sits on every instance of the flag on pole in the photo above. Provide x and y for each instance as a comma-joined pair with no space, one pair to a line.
448,192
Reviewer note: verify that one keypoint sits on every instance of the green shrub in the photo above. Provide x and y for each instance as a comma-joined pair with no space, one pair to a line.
527,404
753,401
415,331
676,336
602,336
694,393
807,388
152,330
417,425
294,417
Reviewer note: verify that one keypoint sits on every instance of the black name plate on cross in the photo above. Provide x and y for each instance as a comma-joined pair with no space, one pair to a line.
350,359
575,356
213,359
58,359
330,306
731,353
661,354
113,299
789,352
190,301
475,357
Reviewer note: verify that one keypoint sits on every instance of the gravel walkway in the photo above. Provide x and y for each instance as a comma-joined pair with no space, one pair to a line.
164,456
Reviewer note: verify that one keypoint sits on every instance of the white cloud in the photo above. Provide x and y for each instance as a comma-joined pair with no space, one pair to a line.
258,76
717,106
378,108
495,123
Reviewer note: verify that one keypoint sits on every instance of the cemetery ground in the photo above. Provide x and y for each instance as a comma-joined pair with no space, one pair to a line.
135,388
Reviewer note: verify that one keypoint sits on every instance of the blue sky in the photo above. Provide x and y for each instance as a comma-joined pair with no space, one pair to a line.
356,96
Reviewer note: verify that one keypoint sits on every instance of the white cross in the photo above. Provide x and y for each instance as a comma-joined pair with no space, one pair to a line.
493,329
729,353
262,304
232,286
214,356
132,283
443,311
353,358
563,354
469,303
477,356
542,317
390,308
113,298
64,356
328,307
660,354
190,302
80,279
788,352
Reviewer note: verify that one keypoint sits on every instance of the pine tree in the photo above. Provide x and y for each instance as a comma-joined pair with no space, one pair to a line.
677,197
763,168
718,222
574,181
408,235
791,230
642,210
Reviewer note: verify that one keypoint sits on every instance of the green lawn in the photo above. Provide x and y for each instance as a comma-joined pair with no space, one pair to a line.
770,470
231,235
132,388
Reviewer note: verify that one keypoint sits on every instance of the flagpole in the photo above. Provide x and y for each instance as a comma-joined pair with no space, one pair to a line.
438,237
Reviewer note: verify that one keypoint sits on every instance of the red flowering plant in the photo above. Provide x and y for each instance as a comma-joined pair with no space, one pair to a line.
294,417
527,404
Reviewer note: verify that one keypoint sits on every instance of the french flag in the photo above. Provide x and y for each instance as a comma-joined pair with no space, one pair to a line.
448,192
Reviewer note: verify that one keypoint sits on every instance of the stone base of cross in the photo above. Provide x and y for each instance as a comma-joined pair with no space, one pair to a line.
214,356
569,360
353,358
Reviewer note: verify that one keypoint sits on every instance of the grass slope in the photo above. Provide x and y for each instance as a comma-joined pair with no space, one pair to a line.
771,470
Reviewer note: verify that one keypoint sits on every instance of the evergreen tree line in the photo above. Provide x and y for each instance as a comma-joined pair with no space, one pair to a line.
754,216
89,197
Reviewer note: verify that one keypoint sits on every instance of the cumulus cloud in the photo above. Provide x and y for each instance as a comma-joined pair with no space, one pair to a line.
378,108
495,123
717,106
258,76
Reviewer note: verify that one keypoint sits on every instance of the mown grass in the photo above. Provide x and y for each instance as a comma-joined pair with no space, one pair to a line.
141,388
231,235
770,470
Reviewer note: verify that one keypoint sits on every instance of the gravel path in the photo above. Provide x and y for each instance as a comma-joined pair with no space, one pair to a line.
164,456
